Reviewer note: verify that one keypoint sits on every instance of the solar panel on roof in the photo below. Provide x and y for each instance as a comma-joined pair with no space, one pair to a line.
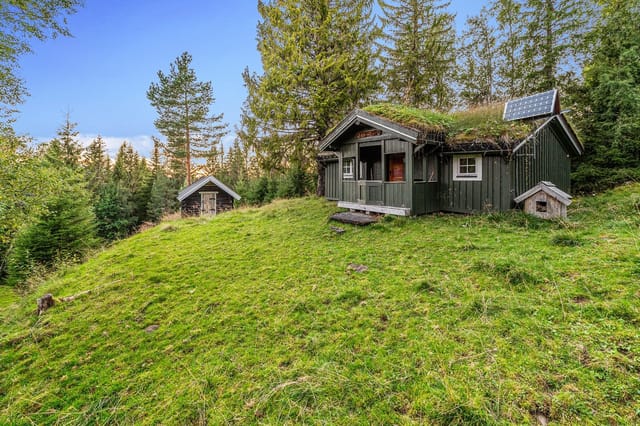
534,106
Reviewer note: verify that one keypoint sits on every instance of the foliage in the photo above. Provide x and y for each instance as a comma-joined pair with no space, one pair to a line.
418,53
264,189
183,103
65,150
553,45
96,165
540,44
22,21
477,61
609,101
114,212
25,183
65,230
458,320
510,69
317,65
162,198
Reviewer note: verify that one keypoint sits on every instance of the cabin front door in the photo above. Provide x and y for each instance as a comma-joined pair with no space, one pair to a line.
208,203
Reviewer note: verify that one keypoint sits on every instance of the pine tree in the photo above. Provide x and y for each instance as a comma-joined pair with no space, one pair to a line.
96,165
608,101
418,53
317,65
477,61
183,103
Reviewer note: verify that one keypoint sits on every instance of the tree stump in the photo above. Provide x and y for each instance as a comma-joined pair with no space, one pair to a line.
44,303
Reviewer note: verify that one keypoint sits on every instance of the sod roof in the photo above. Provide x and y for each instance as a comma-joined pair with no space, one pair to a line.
481,126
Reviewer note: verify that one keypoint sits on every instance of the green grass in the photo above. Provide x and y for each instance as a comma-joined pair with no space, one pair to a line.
429,121
483,124
458,320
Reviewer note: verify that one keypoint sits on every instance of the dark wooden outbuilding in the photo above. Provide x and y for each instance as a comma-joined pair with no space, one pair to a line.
206,196
398,160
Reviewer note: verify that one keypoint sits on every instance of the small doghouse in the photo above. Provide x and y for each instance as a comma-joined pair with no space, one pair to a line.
206,196
545,200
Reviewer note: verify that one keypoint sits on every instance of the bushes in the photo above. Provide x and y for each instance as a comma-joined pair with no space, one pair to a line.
64,231
296,183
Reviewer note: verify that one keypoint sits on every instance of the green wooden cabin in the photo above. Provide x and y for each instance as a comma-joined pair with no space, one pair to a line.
397,160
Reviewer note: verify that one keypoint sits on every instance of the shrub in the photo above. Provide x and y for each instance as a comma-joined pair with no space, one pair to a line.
65,231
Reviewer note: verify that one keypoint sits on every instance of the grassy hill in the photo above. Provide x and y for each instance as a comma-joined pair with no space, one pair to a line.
256,316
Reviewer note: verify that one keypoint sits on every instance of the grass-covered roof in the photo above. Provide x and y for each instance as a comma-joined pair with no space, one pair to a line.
481,125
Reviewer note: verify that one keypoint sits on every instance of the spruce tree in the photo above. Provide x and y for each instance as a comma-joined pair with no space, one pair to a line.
183,104
66,148
418,53
318,63
511,70
608,101
162,196
96,165
476,58
554,41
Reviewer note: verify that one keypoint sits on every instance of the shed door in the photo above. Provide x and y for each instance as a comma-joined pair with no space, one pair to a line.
208,202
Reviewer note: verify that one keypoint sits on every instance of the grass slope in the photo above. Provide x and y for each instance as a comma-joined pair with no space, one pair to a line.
458,320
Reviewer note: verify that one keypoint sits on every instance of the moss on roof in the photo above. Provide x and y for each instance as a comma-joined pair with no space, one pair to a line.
485,124
478,125
420,119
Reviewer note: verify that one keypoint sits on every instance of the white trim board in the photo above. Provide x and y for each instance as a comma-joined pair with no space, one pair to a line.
398,211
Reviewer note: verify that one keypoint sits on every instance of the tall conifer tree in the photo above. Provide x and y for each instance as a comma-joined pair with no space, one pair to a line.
554,33
608,101
96,165
477,63
317,65
418,52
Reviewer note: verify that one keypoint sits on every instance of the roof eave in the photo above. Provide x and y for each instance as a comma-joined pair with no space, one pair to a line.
358,115
202,182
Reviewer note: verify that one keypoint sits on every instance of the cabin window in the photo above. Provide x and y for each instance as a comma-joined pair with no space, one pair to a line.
347,168
371,162
467,167
432,168
395,167
541,206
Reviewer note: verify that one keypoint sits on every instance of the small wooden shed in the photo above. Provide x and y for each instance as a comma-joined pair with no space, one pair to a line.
206,196
545,200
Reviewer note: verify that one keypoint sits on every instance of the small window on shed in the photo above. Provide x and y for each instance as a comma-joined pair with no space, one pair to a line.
347,168
467,167
541,206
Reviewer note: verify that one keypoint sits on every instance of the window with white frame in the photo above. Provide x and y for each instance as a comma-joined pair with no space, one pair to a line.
467,167
347,168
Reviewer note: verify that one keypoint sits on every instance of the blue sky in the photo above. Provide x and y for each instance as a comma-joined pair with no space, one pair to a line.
101,75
